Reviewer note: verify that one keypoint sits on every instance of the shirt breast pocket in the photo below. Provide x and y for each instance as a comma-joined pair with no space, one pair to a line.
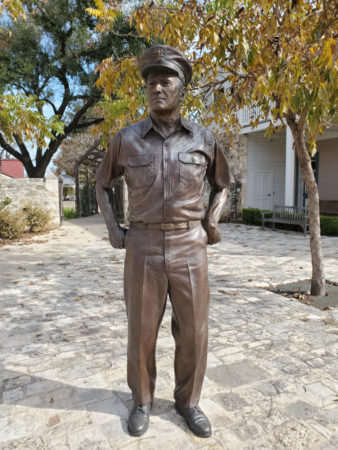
139,171
193,166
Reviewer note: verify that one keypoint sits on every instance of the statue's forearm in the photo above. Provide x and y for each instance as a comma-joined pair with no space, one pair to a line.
217,200
116,233
216,203
103,201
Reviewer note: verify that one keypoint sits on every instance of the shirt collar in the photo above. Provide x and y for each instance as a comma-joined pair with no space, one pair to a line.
186,124
148,125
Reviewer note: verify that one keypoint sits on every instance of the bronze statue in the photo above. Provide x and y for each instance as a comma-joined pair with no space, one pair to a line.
165,160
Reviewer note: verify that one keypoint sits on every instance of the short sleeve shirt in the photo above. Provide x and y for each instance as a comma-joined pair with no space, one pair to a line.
165,176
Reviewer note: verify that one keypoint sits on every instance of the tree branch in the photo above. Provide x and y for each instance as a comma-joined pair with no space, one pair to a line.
43,85
302,117
88,123
212,84
63,79
325,9
79,97
19,86
50,103
9,148
66,97
24,152
73,124
129,35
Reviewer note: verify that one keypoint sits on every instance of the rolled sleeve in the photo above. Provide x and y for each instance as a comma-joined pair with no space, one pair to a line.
218,173
110,169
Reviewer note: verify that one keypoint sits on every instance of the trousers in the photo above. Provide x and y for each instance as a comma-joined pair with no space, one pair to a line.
159,264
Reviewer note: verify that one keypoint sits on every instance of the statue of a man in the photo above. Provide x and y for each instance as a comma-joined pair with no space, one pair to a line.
165,160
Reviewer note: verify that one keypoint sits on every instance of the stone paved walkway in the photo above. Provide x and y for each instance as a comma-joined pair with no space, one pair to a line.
272,370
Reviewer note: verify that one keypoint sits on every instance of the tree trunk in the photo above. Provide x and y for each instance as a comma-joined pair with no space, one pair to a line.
42,163
35,172
318,277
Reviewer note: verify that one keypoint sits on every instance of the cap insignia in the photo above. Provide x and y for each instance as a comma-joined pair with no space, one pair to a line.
158,55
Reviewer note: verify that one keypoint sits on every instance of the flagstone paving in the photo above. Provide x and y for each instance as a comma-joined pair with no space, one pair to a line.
272,377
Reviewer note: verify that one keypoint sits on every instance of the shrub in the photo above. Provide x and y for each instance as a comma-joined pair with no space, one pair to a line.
252,216
329,225
37,218
12,224
6,201
88,200
69,213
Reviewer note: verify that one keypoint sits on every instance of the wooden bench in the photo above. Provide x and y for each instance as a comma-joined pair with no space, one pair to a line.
287,214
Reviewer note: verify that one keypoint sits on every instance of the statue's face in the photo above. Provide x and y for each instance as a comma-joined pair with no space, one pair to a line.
165,91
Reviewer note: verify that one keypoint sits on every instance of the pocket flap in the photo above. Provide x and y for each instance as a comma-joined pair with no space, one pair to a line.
192,158
139,161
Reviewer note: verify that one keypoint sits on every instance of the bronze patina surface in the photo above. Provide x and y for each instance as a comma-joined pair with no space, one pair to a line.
165,160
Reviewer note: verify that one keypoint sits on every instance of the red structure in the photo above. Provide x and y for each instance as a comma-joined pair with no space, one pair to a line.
12,168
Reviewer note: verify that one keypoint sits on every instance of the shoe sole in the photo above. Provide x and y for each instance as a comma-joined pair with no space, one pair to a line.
193,431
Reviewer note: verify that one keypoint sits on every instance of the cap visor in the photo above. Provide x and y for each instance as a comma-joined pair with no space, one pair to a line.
159,68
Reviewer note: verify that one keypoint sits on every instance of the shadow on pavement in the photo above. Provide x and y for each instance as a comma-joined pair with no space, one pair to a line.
22,389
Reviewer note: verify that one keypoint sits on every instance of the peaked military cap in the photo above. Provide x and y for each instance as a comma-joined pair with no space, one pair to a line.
164,57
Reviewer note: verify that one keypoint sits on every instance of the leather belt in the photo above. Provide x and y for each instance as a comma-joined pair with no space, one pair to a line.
166,226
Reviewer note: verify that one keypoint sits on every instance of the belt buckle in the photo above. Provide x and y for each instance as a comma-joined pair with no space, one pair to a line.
166,226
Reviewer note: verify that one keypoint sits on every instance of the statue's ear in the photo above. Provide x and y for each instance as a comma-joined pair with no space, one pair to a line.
183,93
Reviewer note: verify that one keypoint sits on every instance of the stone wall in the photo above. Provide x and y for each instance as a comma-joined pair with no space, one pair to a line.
38,191
236,154
238,161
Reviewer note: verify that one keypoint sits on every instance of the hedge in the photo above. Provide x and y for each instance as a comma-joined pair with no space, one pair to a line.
252,216
328,224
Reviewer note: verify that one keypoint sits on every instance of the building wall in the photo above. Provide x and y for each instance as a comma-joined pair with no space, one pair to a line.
328,169
266,156
38,191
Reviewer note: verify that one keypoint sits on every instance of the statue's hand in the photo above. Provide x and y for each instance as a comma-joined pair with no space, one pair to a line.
214,236
116,237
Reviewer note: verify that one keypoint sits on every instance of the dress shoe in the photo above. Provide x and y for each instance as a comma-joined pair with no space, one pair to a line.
196,420
138,421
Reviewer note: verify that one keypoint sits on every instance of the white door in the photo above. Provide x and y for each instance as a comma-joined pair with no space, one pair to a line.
263,193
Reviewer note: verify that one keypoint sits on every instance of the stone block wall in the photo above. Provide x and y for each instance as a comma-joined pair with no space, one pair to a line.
237,158
43,192
236,155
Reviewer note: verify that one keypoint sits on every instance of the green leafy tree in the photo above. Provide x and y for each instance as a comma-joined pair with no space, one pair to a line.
277,55
47,76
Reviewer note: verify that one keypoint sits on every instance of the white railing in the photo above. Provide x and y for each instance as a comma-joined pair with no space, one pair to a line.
246,115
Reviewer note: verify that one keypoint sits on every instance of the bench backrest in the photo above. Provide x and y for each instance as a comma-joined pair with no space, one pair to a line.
289,212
